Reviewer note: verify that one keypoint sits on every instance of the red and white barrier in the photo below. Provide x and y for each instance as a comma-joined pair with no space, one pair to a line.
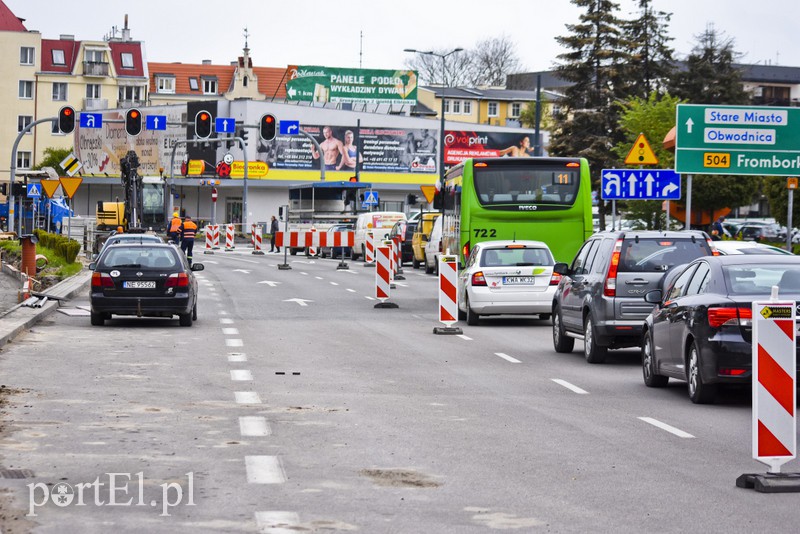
214,236
253,236
333,239
448,294
396,253
257,237
312,250
774,391
230,234
209,232
382,273
369,251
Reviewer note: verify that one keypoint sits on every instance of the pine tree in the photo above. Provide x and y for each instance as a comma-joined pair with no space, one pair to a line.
650,65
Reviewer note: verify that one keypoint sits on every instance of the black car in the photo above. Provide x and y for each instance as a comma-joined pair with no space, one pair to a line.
145,280
700,330
336,252
404,229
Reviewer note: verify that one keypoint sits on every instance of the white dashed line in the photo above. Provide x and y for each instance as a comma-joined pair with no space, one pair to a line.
507,357
264,470
230,331
237,357
229,342
347,271
241,374
224,320
368,298
351,290
334,284
304,274
571,387
223,312
277,522
664,426
254,426
319,278
247,397
465,338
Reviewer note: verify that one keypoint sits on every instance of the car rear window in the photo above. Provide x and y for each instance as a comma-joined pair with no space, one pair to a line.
513,257
659,254
759,279
140,258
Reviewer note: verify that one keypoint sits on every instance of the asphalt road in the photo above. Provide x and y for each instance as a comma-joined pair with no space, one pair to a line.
275,414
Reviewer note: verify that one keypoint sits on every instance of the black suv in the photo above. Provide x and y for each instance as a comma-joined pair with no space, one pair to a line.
600,299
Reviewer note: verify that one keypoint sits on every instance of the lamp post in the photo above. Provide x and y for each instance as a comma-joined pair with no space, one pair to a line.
444,87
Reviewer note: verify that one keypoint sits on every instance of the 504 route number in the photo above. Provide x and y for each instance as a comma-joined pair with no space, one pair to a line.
720,160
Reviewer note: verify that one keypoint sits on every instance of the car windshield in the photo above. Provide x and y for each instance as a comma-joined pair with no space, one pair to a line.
139,258
655,255
759,278
515,257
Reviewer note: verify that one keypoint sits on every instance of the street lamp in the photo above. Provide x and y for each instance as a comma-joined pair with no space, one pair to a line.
444,86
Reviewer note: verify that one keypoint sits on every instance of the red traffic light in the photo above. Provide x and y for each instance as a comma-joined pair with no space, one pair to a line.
269,119
133,122
66,119
267,127
67,112
202,124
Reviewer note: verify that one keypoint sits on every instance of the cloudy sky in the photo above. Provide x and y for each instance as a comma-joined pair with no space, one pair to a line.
313,32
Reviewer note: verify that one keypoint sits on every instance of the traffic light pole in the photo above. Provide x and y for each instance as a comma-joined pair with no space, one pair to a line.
13,169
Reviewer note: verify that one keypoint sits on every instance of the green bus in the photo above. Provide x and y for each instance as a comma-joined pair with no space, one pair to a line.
542,199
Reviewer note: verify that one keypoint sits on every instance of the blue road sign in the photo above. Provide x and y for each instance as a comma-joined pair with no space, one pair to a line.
34,191
225,125
370,199
91,120
289,127
155,122
640,184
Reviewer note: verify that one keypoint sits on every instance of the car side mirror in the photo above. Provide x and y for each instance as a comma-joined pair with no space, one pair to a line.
198,267
561,268
653,296
92,266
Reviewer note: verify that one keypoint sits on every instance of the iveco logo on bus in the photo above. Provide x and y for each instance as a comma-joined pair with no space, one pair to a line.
461,140
528,208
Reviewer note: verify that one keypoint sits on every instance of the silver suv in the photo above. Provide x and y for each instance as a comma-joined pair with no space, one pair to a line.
600,298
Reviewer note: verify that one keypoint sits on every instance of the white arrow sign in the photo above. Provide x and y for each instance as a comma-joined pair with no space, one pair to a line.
632,181
669,188
291,92
241,271
648,180
270,283
689,124
301,302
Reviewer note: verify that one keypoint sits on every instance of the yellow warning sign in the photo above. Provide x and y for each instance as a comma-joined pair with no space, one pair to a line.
791,183
49,187
70,185
429,191
641,153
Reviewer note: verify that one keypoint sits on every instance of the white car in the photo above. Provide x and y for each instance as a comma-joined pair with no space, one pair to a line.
747,247
507,277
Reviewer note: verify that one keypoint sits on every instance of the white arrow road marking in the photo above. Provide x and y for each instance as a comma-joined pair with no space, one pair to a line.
507,357
270,283
241,271
664,426
301,302
569,386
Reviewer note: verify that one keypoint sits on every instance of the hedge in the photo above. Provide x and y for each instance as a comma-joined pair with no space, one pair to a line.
64,247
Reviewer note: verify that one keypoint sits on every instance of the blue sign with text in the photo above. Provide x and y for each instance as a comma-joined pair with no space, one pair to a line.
155,122
225,125
91,120
640,184
289,127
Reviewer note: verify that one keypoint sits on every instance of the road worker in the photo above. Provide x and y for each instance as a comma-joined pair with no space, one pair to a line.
187,231
174,225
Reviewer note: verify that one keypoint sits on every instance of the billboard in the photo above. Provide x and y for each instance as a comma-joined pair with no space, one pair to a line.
330,84
460,145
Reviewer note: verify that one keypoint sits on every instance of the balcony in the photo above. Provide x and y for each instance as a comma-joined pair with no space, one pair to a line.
95,103
95,68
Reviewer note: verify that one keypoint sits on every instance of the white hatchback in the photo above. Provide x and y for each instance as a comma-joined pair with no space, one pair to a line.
507,277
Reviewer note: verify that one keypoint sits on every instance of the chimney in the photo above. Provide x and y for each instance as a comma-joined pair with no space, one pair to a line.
206,62
66,37
126,33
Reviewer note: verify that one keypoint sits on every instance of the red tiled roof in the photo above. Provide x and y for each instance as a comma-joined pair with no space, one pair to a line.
127,47
9,22
269,78
71,49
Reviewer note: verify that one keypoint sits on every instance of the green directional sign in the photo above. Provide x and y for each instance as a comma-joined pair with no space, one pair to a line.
329,84
751,140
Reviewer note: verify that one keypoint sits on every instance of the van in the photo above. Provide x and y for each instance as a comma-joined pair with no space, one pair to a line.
421,236
433,248
379,222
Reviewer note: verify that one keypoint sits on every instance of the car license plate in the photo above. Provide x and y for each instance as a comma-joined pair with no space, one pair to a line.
139,284
519,280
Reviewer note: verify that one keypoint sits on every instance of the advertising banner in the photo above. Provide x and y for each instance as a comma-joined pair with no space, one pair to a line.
330,84
461,145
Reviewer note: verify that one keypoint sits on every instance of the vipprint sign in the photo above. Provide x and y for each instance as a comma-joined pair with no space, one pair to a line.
330,84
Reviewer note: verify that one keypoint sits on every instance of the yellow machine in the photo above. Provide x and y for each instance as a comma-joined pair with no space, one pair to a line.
110,215
421,236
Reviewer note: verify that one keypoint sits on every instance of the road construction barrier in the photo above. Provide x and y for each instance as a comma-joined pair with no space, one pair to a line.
334,239
448,295
369,250
253,236
312,250
209,233
257,237
230,234
382,277
774,420
214,236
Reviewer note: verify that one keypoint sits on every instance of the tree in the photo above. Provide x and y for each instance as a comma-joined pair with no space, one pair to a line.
778,196
52,158
586,125
650,63
456,70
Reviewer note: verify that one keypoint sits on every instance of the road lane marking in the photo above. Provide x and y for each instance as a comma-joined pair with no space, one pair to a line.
334,284
237,357
223,312
247,397
254,426
319,278
507,357
347,271
368,298
241,374
664,426
351,290
230,331
277,522
304,274
264,470
224,320
465,338
230,342
571,387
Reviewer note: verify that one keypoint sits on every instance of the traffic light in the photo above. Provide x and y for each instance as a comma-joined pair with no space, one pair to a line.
133,121
412,199
66,119
202,124
267,127
354,178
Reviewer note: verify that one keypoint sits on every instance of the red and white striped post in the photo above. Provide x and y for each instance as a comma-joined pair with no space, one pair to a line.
774,395
253,236
257,241
382,277
312,250
281,241
209,232
398,274
230,234
448,296
215,236
369,250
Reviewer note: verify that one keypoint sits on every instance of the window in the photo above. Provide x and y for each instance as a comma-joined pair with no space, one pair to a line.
446,106
59,91
579,263
456,107
23,121
699,280
193,84
95,56
130,93
244,82
92,90
209,86
127,60
25,89
58,57
23,160
27,55
165,84
54,129
493,109
467,107
516,108
680,284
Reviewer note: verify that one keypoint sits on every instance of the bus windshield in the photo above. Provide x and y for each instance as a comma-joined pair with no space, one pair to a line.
509,185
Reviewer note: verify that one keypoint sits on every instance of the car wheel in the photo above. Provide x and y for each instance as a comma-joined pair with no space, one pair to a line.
293,251
364,252
651,378
194,312
699,392
472,317
591,350
462,315
185,319
98,319
415,263
544,316
428,270
561,342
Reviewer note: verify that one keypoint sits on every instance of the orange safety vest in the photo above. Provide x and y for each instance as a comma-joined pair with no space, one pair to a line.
188,229
174,224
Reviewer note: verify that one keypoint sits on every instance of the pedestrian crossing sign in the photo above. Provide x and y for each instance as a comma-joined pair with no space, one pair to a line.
34,191
371,198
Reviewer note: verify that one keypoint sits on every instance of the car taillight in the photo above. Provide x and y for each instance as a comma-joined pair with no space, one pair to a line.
714,251
465,250
177,280
555,279
725,371
101,280
610,286
478,279
729,316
